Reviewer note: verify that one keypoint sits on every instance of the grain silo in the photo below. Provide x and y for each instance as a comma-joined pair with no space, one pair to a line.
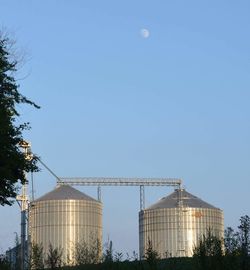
175,223
63,218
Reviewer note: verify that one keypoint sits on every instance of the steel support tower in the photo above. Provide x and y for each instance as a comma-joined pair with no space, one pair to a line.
24,201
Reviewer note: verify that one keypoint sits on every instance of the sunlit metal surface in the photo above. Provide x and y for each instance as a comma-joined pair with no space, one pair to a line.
63,218
174,229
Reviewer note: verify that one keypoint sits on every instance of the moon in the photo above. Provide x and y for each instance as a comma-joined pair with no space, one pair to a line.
144,33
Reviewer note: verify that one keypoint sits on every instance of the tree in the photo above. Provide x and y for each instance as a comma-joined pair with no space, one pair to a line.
231,242
87,253
54,257
244,234
4,264
244,240
209,252
37,257
151,255
118,256
13,164
17,251
232,250
108,255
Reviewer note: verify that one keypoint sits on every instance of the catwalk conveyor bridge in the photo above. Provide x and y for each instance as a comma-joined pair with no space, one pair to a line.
120,181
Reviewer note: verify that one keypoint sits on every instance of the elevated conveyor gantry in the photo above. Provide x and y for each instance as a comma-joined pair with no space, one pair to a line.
120,181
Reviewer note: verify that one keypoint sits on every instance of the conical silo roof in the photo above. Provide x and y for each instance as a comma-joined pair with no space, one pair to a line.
65,192
188,200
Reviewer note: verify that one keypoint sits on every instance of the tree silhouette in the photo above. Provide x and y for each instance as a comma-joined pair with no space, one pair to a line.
244,240
13,164
37,257
54,257
151,255
87,252
209,252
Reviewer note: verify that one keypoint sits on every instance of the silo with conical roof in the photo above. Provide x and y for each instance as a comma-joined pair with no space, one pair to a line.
63,218
174,224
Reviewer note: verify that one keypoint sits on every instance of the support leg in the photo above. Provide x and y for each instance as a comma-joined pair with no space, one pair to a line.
142,198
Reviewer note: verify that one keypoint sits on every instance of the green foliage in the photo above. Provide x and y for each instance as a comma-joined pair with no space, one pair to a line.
231,242
231,249
209,253
13,164
87,253
118,256
4,264
108,255
237,246
244,240
54,257
151,255
244,234
169,264
37,257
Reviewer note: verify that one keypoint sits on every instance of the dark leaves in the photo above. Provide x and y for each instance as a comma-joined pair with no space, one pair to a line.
13,164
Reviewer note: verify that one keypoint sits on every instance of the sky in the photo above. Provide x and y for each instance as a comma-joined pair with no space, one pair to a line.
115,103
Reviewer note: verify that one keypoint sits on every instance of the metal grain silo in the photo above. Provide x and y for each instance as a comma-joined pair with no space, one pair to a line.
63,218
175,223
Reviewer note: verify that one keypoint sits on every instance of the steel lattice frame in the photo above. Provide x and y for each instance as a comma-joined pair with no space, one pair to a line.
120,181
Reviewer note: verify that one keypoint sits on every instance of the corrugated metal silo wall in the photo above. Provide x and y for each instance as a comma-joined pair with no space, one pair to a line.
63,223
175,231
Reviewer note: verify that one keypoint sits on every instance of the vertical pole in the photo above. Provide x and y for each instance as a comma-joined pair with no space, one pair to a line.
99,193
142,198
23,237
32,187
29,246
24,206
23,226
180,223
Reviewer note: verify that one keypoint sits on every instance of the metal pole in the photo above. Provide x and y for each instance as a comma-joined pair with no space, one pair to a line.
181,248
23,238
23,198
29,245
23,226
142,198
32,187
99,193
58,179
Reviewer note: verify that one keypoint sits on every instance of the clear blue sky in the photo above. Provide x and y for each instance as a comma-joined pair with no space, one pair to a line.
175,104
